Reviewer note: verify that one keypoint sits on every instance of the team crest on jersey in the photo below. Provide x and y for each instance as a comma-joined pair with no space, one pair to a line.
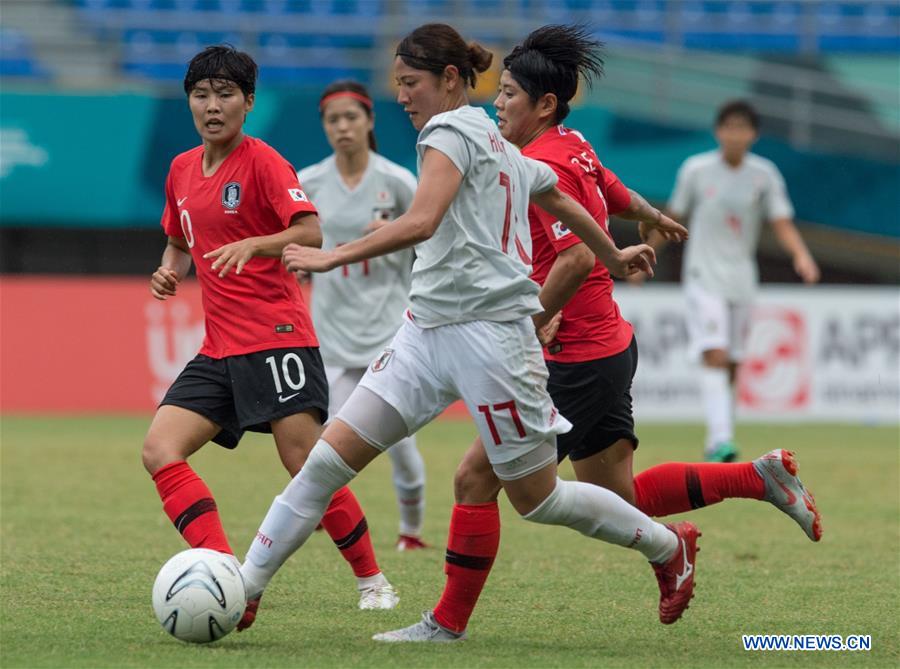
383,214
559,230
297,195
231,195
382,360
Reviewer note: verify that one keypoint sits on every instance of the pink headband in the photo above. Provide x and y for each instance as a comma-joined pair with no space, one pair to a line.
364,100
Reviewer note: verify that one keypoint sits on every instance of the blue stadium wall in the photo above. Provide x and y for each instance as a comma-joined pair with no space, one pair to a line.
107,168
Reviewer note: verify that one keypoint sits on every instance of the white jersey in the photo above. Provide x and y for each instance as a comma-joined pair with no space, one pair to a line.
357,308
477,264
725,208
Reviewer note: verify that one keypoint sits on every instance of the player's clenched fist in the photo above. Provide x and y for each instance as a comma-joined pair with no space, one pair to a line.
163,283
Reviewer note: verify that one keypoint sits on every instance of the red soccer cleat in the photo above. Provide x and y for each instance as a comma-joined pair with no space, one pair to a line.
249,614
407,542
676,577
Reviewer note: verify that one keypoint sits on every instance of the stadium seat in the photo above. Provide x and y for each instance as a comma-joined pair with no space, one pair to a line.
731,25
428,7
745,41
16,57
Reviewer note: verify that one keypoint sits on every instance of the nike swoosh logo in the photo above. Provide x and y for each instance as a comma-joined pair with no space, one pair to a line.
791,497
285,399
688,568
182,200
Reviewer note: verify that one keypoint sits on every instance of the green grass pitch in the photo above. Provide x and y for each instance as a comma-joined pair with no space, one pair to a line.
83,535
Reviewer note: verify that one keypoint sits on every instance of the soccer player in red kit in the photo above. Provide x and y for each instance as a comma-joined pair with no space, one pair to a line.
232,205
593,355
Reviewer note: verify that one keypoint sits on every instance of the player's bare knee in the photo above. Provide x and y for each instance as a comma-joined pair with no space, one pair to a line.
473,484
156,454
611,468
525,503
530,492
293,459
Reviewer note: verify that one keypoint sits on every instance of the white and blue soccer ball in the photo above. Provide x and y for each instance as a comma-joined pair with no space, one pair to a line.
199,595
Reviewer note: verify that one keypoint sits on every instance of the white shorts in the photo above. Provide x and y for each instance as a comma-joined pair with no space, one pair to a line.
498,371
341,382
716,323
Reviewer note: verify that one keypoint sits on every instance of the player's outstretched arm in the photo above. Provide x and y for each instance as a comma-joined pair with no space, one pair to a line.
174,266
439,180
791,241
620,262
304,230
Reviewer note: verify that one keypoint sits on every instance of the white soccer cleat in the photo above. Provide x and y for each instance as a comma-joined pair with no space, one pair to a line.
427,629
410,542
778,470
380,596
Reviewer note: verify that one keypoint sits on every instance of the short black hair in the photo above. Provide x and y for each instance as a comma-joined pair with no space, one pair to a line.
740,108
222,61
551,60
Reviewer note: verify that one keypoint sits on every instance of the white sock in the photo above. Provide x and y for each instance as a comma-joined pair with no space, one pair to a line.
294,515
370,581
718,405
409,483
596,512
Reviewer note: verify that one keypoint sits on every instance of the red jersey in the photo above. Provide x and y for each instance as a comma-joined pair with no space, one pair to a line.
254,192
592,326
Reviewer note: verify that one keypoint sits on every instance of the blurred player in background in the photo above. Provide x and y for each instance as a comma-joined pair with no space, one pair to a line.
232,204
593,357
357,309
724,196
468,334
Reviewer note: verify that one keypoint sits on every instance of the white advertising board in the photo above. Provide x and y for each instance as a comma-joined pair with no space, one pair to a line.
814,354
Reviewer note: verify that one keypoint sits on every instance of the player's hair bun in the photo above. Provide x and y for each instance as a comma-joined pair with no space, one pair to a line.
479,57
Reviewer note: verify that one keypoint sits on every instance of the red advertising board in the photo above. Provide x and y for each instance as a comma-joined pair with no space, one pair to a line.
94,345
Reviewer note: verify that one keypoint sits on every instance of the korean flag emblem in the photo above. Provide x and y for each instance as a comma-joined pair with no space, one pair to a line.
231,195
297,195
382,360
559,230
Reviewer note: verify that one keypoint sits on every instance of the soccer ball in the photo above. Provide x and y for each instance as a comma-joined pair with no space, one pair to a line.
199,595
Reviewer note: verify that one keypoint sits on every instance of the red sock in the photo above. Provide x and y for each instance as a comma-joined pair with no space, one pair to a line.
471,549
190,506
674,487
346,525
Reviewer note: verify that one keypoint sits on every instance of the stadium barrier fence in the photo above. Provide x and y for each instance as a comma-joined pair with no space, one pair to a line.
73,345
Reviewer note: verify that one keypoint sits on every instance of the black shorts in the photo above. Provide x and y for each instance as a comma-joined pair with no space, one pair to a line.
595,396
247,392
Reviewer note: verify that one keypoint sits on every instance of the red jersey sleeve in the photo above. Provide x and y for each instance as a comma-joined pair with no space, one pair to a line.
170,221
560,236
282,189
617,196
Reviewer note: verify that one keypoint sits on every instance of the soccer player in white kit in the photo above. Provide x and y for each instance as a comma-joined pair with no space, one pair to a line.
468,332
724,196
358,308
